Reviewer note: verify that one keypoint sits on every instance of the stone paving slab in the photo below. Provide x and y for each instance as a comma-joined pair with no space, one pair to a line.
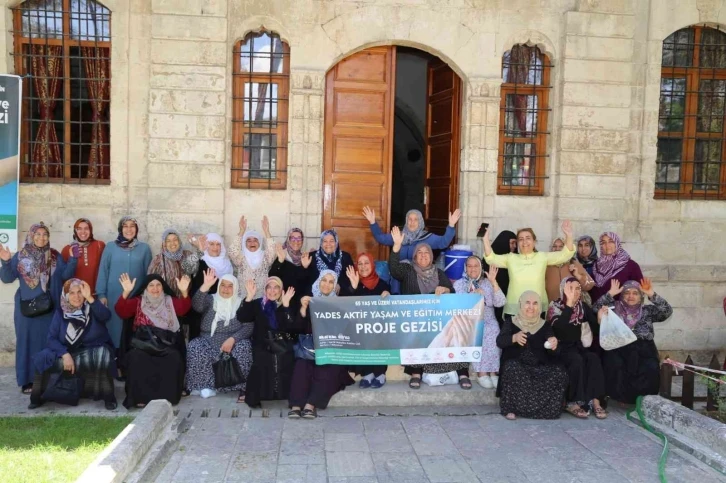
423,449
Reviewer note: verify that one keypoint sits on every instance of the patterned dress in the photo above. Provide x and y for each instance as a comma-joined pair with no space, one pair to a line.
205,349
245,272
490,353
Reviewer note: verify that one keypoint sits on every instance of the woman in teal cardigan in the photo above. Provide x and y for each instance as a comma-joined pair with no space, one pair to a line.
125,255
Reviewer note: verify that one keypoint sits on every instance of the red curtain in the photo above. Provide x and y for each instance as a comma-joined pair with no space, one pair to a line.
46,65
96,63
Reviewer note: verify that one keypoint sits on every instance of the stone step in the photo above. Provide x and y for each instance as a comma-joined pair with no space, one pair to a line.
397,393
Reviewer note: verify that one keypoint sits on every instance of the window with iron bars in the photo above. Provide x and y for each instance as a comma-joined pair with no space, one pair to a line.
261,85
62,50
691,136
523,113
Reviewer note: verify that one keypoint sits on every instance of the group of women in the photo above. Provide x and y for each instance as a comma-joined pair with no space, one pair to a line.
104,311
549,339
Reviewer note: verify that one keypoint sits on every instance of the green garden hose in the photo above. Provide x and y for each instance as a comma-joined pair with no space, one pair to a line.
661,436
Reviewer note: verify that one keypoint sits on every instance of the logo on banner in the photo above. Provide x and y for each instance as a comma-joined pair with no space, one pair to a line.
476,354
4,238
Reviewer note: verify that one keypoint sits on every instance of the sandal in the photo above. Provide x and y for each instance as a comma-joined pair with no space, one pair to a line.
576,411
600,413
465,383
309,414
241,398
27,388
294,414
414,382
510,416
186,392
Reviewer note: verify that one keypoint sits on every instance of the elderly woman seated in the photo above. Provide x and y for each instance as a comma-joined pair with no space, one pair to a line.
634,370
422,277
79,344
313,385
155,363
531,383
221,331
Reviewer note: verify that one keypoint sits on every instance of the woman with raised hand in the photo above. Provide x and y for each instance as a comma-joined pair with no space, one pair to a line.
422,277
531,382
221,331
125,255
527,268
173,261
313,385
414,232
575,325
365,282
89,252
555,274
253,254
78,343
505,242
614,263
213,256
475,280
155,363
288,265
41,272
634,370
329,256
273,338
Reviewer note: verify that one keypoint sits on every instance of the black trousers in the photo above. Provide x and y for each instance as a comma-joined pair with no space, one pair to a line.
584,369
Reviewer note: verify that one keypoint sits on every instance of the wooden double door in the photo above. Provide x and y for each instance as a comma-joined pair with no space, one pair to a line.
359,119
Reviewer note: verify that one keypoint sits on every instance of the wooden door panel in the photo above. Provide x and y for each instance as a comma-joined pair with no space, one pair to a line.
443,124
358,154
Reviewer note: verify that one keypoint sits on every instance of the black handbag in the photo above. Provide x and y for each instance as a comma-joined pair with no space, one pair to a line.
276,343
305,348
153,341
64,388
37,306
226,371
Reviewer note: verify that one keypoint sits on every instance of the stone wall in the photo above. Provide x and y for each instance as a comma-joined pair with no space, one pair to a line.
171,127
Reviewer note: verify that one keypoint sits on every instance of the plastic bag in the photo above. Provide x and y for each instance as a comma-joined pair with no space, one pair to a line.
586,334
614,333
440,379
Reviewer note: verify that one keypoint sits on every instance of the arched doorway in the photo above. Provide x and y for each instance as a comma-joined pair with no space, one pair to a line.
392,141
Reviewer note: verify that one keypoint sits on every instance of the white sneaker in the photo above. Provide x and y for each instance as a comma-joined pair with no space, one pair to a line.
208,393
485,382
495,380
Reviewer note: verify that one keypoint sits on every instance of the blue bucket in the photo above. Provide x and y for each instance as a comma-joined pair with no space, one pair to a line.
455,263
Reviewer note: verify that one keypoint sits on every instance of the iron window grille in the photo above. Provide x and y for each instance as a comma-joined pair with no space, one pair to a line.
62,49
261,86
523,115
691,136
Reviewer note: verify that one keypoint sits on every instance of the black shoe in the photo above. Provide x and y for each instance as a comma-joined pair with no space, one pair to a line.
294,414
309,413
33,405
111,405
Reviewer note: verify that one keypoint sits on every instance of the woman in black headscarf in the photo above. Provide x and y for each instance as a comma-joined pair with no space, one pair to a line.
505,242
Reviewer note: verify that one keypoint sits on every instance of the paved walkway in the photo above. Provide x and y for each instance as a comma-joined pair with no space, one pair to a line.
222,441
418,449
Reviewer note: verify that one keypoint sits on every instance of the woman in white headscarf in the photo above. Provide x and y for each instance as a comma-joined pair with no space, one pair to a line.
253,255
221,331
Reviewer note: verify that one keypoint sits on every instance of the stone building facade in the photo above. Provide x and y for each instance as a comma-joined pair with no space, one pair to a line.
171,128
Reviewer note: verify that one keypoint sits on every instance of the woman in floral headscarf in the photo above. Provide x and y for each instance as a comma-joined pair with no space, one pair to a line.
89,252
614,263
173,261
128,255
78,343
329,256
41,272
634,370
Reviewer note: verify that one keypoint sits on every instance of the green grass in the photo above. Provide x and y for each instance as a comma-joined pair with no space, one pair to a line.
53,448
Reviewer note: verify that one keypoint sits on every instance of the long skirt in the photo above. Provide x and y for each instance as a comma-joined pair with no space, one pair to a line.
31,335
584,369
200,357
632,371
461,368
153,377
490,353
315,385
270,376
95,365
535,392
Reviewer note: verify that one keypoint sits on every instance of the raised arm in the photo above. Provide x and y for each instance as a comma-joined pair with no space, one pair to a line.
9,270
398,270
381,238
